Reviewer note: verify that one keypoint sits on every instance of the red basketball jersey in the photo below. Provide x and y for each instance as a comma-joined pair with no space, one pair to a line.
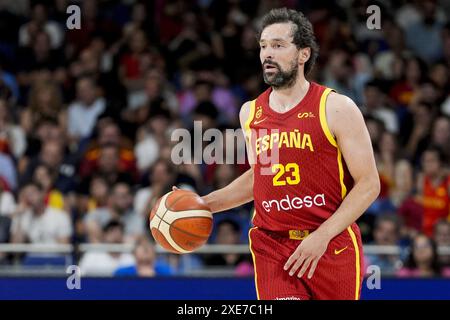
300,176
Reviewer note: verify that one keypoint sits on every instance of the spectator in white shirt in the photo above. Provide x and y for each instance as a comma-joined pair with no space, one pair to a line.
38,22
83,112
33,221
100,263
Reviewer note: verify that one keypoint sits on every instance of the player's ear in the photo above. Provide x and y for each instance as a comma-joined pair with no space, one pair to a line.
304,55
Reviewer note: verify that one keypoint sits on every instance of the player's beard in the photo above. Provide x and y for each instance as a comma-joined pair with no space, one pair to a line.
281,79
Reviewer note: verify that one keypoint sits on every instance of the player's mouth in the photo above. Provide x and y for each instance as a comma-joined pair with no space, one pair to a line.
270,67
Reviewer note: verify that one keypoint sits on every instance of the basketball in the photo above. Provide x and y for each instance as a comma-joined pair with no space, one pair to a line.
180,221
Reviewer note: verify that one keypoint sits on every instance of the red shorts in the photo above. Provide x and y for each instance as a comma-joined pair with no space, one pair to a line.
338,275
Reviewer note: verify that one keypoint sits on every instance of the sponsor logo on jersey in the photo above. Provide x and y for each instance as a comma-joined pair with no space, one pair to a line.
302,115
288,203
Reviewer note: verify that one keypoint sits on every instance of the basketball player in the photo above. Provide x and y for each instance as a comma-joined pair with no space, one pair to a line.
321,177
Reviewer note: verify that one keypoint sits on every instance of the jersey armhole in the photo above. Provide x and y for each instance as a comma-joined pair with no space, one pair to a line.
323,117
249,120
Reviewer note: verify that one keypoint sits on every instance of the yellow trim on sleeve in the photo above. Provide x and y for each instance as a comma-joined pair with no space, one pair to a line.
357,258
254,261
323,117
249,120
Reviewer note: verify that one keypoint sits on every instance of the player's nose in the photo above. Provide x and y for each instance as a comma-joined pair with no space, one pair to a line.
267,54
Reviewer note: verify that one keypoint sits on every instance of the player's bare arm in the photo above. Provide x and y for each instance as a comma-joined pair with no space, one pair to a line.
347,125
240,191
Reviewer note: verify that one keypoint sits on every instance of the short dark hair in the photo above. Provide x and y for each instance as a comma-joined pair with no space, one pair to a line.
112,225
233,223
435,264
438,151
302,32
388,217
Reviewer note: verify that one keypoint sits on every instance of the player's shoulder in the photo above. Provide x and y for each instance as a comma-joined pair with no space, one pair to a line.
340,107
342,112
339,102
245,108
244,113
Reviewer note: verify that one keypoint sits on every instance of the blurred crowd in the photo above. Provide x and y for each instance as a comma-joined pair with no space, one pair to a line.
86,117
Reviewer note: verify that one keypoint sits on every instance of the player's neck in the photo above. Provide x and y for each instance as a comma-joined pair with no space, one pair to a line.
287,98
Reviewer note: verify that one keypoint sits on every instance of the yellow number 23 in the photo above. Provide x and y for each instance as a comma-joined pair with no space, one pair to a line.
280,170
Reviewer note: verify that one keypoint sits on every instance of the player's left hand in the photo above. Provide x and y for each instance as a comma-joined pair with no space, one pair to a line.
307,255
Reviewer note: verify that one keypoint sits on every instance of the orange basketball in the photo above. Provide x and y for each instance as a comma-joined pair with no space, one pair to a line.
180,221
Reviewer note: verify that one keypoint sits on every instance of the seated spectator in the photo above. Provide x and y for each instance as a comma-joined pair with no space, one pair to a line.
140,58
83,112
228,233
35,222
95,60
403,182
418,137
441,236
424,36
161,178
139,21
45,102
39,21
205,114
156,88
375,105
108,134
46,130
153,135
385,233
108,163
339,73
146,264
52,155
103,264
46,177
387,156
440,134
202,92
434,189
403,90
96,196
120,208
376,128
39,60
423,260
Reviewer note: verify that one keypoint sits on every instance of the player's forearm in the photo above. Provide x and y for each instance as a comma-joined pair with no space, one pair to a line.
363,193
237,193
